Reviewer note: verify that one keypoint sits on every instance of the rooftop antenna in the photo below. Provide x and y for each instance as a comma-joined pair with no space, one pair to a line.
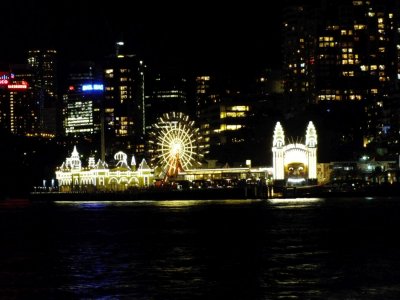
118,46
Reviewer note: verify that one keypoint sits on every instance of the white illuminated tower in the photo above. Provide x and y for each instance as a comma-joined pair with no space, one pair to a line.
74,162
295,162
311,144
278,152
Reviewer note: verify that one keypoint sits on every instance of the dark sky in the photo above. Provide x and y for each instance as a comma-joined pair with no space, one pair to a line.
199,37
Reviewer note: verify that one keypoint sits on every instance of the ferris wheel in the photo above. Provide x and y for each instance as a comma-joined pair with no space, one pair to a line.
175,144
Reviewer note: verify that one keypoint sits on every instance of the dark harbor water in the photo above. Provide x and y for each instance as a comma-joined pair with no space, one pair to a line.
270,249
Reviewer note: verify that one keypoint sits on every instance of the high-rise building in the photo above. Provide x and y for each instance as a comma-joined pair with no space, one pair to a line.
299,30
356,56
18,110
44,87
203,93
124,94
344,51
82,102
167,93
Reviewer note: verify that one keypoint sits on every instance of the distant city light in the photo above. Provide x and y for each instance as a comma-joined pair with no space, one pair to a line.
5,78
120,43
92,87
71,88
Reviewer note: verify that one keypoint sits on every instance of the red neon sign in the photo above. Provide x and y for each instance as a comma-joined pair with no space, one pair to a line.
18,86
4,81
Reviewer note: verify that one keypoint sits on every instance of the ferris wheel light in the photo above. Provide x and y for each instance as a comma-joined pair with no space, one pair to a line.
175,142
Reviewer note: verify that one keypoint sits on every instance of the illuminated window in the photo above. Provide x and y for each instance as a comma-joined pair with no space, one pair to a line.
233,127
239,108
109,73
348,73
359,27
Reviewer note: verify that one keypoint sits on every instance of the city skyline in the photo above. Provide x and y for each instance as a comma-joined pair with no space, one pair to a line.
340,69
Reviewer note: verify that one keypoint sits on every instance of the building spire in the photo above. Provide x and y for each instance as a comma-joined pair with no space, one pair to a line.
311,135
279,136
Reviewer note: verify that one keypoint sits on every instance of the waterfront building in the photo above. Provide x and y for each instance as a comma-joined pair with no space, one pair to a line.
123,176
295,163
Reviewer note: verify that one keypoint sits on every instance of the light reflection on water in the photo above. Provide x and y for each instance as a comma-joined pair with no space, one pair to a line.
172,203
296,202
229,249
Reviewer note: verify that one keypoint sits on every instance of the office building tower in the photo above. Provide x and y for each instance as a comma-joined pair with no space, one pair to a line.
167,93
19,112
44,86
350,54
82,102
124,94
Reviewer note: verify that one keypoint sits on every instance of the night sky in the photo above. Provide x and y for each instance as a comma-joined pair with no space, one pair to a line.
240,40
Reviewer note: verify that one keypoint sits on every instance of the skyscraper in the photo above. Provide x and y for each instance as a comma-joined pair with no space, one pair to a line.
44,86
124,94
83,100
18,110
347,51
299,30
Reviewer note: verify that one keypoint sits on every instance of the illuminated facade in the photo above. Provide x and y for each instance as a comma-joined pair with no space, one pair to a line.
72,176
83,100
295,163
19,112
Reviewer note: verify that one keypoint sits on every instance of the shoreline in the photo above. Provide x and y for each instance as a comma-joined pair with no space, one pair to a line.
154,194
